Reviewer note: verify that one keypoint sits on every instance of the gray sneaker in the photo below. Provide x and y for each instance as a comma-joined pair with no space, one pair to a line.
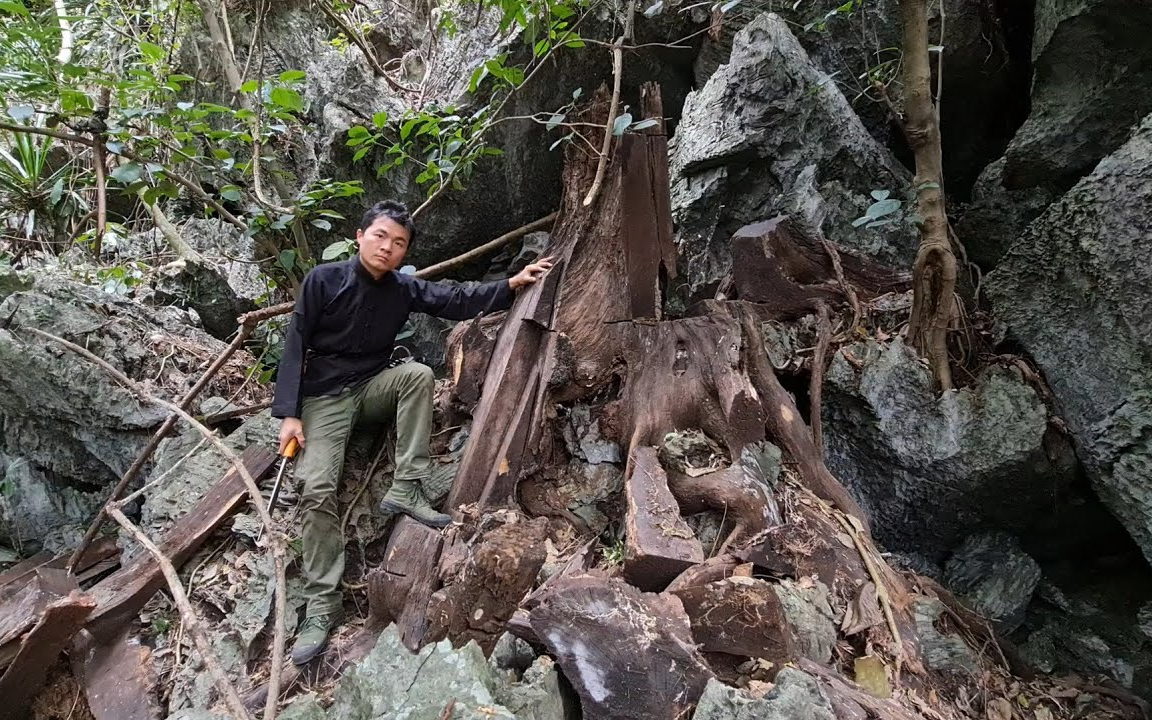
406,496
313,637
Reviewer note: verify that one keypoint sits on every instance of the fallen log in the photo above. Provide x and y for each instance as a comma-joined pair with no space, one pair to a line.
121,595
57,625
628,654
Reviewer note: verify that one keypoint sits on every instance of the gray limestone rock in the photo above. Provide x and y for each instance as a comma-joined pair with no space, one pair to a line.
810,615
796,696
931,469
1073,292
996,216
786,141
994,577
1092,65
943,653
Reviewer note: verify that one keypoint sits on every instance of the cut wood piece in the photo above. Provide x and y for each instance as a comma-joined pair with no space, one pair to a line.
25,608
118,678
23,570
711,570
781,265
494,575
39,649
656,137
739,616
99,557
122,594
658,544
628,654
401,587
468,350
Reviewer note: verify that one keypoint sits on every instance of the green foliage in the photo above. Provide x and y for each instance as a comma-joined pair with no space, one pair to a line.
121,279
887,210
35,196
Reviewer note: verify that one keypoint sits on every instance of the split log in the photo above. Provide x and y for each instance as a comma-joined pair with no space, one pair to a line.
628,654
487,584
118,678
468,351
121,595
402,586
740,616
658,544
40,648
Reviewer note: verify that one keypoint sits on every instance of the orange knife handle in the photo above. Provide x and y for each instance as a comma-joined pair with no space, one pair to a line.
291,448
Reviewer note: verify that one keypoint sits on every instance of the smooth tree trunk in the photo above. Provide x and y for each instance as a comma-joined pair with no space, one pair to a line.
934,273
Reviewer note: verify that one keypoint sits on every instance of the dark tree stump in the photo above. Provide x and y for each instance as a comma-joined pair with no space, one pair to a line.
628,654
400,588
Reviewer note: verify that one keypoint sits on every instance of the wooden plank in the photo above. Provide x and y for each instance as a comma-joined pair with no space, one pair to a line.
121,595
658,544
23,609
60,622
628,654
652,106
118,678
23,570
399,590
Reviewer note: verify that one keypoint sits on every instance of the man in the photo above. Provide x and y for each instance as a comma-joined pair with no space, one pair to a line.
335,373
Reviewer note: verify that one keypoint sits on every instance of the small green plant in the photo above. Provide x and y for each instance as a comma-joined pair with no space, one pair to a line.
36,197
613,554
121,279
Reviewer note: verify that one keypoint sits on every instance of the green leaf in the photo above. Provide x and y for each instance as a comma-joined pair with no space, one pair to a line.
860,221
729,5
645,124
320,223
20,113
555,120
336,249
880,194
152,51
654,9
622,122
287,99
15,7
359,154
288,259
878,210
185,105
127,173
406,128
230,192
292,76
928,186
250,86
380,119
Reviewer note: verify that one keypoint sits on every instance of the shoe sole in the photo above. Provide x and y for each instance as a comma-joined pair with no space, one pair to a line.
391,508
306,658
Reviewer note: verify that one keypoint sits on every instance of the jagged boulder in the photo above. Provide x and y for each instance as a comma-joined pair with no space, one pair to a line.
67,429
1092,67
786,142
931,469
1073,293
996,216
994,577
796,696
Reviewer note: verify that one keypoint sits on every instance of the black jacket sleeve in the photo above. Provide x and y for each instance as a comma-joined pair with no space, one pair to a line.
453,302
287,401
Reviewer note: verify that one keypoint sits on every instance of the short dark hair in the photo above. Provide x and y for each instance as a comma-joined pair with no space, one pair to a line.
395,211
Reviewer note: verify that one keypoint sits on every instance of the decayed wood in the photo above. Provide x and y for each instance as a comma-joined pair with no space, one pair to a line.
118,678
99,557
489,581
739,616
22,571
713,569
658,544
25,607
401,587
468,350
122,594
628,654
739,492
40,648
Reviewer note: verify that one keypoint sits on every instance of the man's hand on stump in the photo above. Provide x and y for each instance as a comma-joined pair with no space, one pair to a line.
291,428
529,275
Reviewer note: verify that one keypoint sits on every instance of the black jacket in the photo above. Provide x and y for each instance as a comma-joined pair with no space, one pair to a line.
345,324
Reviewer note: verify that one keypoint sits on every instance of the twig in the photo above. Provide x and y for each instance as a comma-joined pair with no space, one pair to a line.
448,710
190,621
217,418
816,379
276,541
360,43
613,106
364,485
101,197
845,286
183,250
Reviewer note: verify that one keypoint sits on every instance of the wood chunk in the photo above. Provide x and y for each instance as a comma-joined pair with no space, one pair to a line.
24,608
628,654
468,351
403,584
658,544
495,575
122,594
100,556
739,616
58,624
713,569
118,678
23,570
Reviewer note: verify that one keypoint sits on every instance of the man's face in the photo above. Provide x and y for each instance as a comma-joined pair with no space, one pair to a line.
383,245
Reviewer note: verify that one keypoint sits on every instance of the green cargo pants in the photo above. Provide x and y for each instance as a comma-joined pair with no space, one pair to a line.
402,395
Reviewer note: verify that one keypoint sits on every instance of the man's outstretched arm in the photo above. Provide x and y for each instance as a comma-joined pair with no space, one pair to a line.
459,303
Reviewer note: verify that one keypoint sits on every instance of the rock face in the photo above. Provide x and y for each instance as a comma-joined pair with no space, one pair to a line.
930,470
796,696
1092,67
997,215
393,682
788,141
1073,293
994,577
67,429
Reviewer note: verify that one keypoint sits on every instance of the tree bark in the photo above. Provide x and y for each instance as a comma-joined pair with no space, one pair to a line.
934,273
